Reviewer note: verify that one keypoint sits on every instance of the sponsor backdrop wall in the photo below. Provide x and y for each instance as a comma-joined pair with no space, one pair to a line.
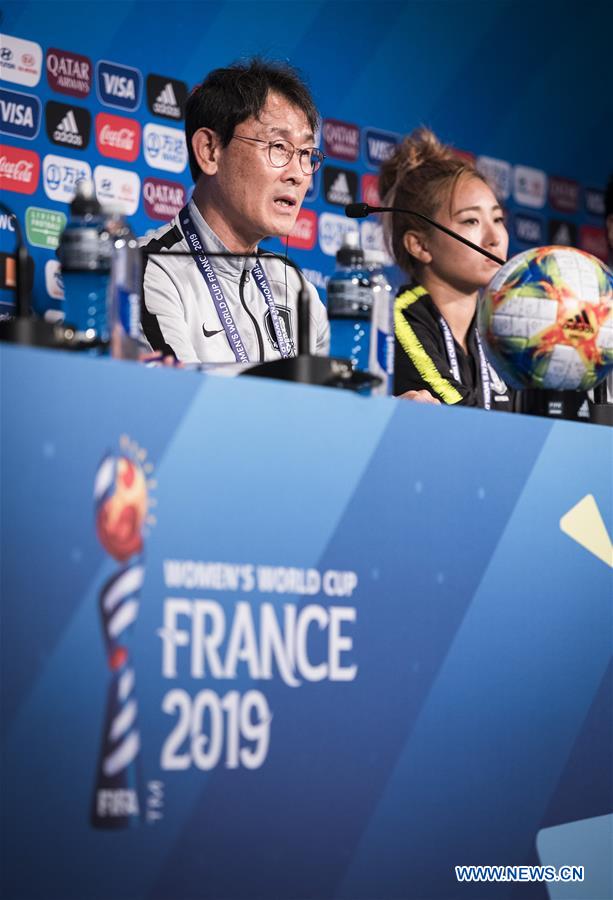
99,89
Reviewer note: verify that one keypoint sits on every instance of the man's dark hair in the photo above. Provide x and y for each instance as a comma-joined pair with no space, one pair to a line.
230,95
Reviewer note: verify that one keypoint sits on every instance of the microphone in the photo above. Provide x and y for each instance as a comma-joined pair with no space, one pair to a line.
361,210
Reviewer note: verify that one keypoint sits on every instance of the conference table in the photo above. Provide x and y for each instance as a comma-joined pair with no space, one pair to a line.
267,640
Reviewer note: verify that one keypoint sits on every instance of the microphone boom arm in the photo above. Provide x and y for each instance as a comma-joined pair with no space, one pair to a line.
361,210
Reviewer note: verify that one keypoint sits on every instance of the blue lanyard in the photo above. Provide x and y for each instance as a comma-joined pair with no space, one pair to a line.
194,241
455,369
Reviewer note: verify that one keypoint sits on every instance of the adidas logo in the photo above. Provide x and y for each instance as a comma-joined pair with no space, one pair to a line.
166,103
67,131
579,324
339,191
584,410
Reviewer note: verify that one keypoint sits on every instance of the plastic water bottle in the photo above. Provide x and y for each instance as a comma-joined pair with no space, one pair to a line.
84,252
381,347
125,286
350,301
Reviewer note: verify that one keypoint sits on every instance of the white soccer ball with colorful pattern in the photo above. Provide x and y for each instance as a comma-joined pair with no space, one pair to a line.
546,319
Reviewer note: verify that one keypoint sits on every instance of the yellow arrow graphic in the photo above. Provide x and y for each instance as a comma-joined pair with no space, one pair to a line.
583,523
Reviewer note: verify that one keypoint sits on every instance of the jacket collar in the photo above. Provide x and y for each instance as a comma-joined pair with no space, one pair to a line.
232,267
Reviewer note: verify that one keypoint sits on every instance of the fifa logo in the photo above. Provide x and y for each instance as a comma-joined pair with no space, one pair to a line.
121,510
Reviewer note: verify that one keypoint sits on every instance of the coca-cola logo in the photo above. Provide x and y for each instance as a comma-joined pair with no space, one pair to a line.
163,199
341,140
370,190
19,170
22,170
304,232
117,137
122,138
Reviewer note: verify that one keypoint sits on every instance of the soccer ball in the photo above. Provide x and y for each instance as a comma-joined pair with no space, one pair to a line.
121,506
546,319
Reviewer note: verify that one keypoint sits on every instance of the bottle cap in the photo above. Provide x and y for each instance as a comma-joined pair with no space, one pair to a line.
350,253
85,200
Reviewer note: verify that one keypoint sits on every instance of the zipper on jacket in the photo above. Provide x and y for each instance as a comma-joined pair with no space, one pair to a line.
258,333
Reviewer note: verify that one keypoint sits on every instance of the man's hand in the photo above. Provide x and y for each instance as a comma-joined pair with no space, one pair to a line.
158,359
422,396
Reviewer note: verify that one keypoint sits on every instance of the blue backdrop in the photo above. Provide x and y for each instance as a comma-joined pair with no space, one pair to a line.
524,87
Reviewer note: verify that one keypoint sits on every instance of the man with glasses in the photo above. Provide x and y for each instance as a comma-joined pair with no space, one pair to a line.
250,131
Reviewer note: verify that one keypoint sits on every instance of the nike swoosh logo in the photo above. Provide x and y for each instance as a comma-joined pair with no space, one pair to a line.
210,333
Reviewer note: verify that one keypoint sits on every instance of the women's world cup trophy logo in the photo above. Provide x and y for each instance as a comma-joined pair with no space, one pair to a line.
120,498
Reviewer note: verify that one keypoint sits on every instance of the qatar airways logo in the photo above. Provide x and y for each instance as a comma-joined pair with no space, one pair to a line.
564,194
19,170
117,137
304,232
341,140
69,73
163,199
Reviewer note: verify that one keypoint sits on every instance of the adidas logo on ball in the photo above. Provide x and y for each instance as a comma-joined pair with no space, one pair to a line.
579,324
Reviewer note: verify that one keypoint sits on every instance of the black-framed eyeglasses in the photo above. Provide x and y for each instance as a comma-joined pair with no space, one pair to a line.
281,153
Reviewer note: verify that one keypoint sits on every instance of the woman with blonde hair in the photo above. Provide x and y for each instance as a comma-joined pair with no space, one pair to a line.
439,357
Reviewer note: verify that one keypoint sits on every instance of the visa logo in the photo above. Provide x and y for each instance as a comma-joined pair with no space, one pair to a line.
118,86
379,146
16,114
19,114
528,230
